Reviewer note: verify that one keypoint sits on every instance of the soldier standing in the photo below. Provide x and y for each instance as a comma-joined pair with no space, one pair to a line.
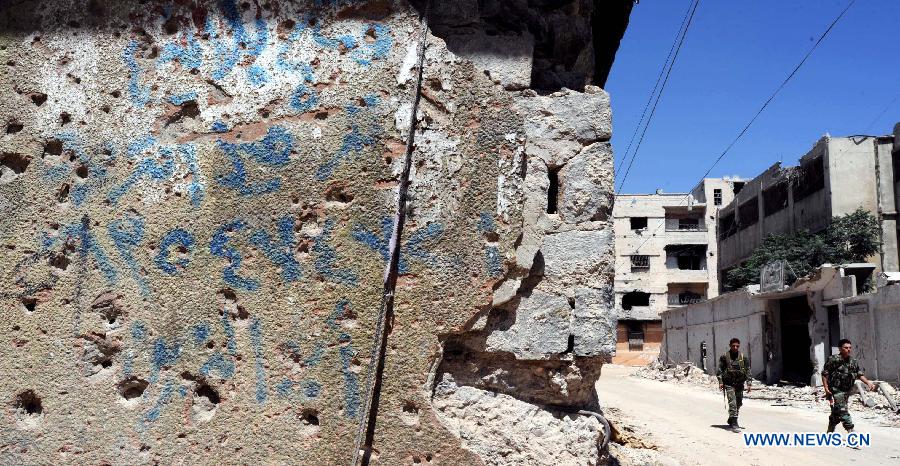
734,371
838,376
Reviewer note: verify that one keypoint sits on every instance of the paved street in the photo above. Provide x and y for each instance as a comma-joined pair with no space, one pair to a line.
685,423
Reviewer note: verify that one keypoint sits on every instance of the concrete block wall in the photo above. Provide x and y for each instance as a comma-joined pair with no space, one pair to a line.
196,202
716,321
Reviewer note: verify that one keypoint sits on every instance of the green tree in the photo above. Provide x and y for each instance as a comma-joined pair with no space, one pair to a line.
848,238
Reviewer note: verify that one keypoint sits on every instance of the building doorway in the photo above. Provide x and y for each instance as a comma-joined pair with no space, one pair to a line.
797,366
834,329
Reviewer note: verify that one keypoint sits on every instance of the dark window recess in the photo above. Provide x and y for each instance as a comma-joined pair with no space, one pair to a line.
635,335
775,198
810,179
690,263
688,256
553,190
635,298
748,213
638,223
692,224
717,196
738,186
727,226
640,263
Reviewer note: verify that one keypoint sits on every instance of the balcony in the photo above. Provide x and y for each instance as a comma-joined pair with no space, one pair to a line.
684,299
685,224
684,294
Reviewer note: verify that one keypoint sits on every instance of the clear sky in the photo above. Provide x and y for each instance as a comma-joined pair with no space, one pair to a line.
735,55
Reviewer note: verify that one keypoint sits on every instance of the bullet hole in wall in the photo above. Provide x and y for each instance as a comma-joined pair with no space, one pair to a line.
30,304
38,98
13,127
12,164
172,25
132,388
205,391
337,192
62,195
28,404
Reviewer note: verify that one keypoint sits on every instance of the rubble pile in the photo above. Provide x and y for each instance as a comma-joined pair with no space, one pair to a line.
875,406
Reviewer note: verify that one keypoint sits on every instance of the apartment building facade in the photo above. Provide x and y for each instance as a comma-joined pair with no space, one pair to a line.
666,257
836,177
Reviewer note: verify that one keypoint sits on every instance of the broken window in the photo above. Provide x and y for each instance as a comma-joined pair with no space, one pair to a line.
811,178
748,213
737,186
640,263
553,190
686,256
775,198
635,298
638,223
717,196
727,226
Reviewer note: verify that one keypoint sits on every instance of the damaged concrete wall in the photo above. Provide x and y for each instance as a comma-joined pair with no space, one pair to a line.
197,200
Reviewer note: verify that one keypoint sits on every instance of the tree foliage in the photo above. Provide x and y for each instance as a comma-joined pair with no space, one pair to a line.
848,238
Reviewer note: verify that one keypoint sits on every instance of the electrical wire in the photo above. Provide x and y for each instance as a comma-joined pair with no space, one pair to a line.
659,95
659,77
756,115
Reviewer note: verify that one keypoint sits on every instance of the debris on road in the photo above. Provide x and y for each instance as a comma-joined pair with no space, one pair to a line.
879,409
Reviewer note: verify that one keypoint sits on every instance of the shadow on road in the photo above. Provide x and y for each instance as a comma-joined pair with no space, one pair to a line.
722,426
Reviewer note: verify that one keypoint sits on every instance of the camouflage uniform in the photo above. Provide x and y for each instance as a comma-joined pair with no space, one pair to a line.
733,372
841,374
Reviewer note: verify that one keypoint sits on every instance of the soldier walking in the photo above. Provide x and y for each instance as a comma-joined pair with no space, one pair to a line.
734,371
838,376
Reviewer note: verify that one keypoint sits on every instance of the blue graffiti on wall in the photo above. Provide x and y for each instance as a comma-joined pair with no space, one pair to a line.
138,93
219,247
280,252
414,247
242,46
89,175
157,163
127,234
177,238
273,150
364,132
326,258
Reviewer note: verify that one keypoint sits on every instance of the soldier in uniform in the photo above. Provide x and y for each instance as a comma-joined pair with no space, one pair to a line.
734,371
838,376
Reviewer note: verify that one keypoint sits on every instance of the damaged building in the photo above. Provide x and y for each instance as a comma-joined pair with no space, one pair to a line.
665,258
836,177
788,330
197,210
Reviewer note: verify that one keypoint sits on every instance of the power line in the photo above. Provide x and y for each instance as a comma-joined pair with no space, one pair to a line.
659,95
780,87
883,111
752,120
659,77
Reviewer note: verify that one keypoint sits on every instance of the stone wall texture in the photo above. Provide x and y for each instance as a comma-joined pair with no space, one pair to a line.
196,200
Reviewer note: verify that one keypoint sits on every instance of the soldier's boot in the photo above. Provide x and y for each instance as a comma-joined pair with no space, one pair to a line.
731,421
830,427
735,427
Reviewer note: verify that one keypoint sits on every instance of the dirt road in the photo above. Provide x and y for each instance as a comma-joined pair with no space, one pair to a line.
686,423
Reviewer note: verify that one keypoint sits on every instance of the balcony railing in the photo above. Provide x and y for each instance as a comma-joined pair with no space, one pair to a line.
684,300
675,224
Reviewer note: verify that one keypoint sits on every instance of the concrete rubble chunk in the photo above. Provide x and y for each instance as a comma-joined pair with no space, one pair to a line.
539,329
